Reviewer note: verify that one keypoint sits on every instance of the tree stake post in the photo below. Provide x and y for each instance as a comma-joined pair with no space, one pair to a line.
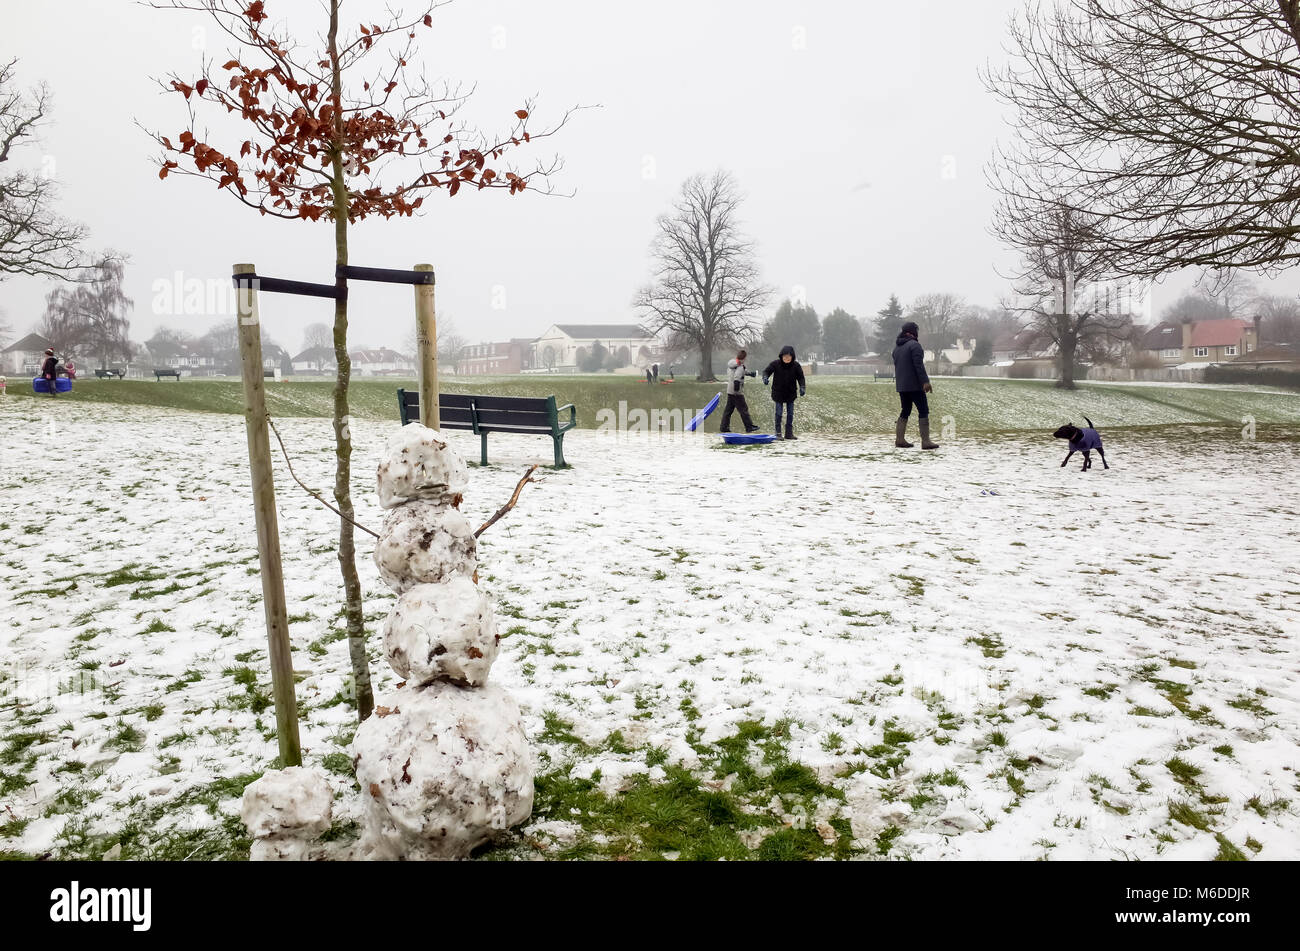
268,530
426,336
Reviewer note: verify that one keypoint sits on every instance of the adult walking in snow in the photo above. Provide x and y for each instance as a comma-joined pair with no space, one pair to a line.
912,383
787,376
736,374
50,371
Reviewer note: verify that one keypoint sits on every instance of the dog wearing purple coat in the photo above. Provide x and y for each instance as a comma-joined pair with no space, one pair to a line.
1083,440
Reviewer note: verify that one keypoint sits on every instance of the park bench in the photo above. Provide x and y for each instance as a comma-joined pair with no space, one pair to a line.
110,373
159,374
482,415
882,375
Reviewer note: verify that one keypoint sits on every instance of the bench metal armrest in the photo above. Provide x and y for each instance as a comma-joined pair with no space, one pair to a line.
573,418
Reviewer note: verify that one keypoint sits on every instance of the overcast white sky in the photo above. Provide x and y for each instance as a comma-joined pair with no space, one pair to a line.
858,130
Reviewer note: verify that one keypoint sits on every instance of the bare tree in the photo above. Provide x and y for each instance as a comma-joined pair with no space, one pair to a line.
33,239
1173,120
61,326
451,344
6,328
705,292
317,335
937,316
1279,319
90,317
1063,287
330,133
1194,306
1232,288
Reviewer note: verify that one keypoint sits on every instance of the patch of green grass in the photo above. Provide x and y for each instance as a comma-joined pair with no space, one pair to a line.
1250,705
556,729
153,711
190,676
1186,814
915,586
127,739
886,838
1223,750
1227,851
17,744
991,645
1183,771
791,845
1257,805
340,763
129,574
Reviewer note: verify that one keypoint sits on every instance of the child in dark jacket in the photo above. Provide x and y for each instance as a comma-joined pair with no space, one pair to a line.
786,375
50,371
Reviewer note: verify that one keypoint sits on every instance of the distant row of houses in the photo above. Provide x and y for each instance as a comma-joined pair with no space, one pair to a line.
1188,344
564,348
24,357
1191,344
561,348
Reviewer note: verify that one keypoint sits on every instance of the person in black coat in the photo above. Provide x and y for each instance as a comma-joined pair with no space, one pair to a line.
50,371
786,375
912,383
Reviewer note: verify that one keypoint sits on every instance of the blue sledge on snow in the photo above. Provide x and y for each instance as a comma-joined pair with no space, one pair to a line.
747,439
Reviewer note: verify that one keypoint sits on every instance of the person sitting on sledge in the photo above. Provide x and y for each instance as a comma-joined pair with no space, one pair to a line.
50,371
786,375
736,374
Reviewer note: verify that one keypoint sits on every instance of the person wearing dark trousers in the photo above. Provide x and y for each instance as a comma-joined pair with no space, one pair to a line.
50,371
736,374
912,383
786,375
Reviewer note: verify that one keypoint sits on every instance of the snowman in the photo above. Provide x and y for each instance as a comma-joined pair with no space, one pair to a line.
444,765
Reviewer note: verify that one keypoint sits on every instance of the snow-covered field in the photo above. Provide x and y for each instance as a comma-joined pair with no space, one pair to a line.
827,647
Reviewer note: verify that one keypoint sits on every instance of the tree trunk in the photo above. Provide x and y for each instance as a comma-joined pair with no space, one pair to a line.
353,610
706,359
1069,344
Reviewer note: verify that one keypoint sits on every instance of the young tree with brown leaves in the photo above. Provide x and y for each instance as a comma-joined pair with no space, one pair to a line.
334,135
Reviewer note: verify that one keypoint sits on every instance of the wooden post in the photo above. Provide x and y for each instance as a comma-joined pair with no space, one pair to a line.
426,337
268,530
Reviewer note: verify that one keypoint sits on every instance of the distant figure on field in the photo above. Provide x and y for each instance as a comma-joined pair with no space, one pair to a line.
50,371
786,375
912,383
70,369
736,374
655,370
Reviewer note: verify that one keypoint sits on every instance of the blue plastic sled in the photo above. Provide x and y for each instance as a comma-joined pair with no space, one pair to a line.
748,439
703,414
42,385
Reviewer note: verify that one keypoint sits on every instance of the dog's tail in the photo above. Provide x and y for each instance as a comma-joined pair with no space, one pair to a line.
1089,422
